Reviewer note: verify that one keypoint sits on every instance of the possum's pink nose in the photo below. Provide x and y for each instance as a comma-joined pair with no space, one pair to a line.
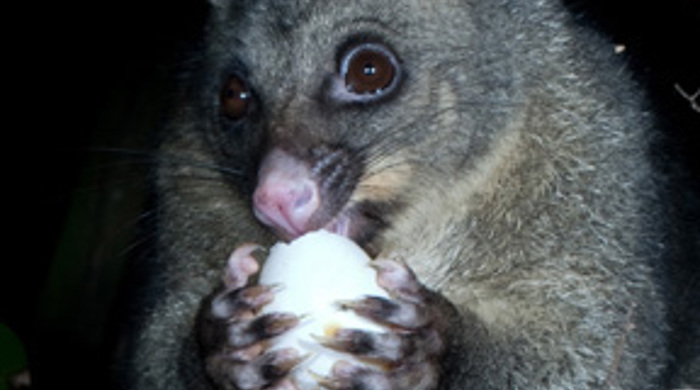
286,196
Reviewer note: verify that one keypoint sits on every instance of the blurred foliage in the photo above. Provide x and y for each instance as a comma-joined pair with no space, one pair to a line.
13,358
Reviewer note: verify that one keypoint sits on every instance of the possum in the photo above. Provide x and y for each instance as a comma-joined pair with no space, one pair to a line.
496,158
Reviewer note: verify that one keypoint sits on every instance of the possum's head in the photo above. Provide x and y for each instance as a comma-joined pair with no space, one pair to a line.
343,113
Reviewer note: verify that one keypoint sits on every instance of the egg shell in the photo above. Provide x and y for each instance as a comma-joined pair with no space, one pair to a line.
314,272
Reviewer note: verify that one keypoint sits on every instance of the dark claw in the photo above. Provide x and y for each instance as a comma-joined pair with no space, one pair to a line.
376,308
340,379
325,382
401,283
269,368
351,341
394,313
277,365
346,376
273,324
245,333
236,303
379,347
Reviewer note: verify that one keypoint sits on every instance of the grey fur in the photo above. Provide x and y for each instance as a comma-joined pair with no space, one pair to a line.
522,176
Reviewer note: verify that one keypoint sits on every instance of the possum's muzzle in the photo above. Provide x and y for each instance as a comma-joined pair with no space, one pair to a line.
294,196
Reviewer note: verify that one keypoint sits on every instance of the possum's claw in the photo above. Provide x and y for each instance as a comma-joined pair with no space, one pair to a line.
248,332
237,303
399,280
392,312
388,348
268,371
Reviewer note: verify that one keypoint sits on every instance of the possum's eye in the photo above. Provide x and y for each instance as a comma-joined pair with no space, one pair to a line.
235,98
369,70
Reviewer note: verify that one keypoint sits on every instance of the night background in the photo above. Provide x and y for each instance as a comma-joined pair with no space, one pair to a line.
84,85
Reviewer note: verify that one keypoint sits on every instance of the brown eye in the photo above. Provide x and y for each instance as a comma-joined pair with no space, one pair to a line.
235,98
369,69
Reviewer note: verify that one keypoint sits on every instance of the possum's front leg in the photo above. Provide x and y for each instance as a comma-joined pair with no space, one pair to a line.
413,349
233,338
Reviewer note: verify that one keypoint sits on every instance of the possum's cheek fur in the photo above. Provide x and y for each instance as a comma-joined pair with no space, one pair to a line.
328,188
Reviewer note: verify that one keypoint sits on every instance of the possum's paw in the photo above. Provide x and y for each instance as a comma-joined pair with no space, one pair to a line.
411,352
232,337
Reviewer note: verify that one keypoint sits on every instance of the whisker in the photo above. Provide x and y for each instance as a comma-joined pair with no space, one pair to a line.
144,239
383,143
157,157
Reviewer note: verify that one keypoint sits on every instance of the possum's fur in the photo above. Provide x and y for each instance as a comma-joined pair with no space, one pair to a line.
512,171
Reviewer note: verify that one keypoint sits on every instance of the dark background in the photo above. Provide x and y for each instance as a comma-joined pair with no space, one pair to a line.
83,84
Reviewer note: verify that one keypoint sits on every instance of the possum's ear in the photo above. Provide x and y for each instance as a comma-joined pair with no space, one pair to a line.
219,4
227,4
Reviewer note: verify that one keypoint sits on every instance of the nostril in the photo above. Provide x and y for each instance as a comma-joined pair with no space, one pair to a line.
303,204
303,201
304,197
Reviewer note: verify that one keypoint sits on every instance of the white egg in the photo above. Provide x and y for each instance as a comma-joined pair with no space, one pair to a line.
316,271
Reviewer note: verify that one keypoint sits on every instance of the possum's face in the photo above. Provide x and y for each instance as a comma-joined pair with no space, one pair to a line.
342,115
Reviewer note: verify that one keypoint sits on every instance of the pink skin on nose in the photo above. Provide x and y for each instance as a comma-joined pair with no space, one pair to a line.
286,196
